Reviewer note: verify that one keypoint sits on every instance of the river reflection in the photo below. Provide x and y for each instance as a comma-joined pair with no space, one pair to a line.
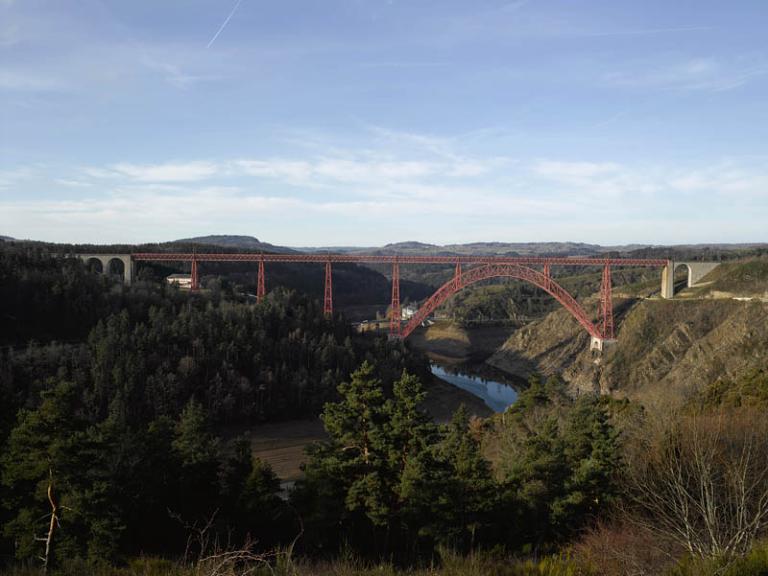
496,395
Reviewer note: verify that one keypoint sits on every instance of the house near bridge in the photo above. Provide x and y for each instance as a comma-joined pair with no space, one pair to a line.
183,281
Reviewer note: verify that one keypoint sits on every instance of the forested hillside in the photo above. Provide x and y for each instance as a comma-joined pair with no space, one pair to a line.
120,398
122,413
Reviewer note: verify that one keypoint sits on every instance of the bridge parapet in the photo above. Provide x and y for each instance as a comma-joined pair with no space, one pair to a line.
696,271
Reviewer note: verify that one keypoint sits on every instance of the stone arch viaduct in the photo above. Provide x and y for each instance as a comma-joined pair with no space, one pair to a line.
105,264
696,271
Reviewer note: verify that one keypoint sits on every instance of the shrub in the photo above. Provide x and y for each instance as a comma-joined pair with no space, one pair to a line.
620,548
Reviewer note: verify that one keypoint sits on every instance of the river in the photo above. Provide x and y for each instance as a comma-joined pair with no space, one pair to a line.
496,395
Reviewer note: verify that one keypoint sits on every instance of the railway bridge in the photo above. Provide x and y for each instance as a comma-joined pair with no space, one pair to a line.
468,270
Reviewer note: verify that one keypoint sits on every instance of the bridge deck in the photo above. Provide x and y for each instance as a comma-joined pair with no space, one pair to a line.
381,259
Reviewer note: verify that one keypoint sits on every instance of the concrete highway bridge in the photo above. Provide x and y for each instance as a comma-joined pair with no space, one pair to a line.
468,270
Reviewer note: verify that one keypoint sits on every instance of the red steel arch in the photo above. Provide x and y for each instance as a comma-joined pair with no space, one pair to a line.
463,279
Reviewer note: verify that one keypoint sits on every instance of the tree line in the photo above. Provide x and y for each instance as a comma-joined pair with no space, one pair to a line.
120,405
120,438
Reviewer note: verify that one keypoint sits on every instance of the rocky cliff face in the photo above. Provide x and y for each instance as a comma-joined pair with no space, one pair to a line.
666,350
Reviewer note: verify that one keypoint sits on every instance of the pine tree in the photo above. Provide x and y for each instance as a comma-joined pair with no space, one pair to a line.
415,473
261,514
592,450
197,451
55,480
356,425
377,463
472,489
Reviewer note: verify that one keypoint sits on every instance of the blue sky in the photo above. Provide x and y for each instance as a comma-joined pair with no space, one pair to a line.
361,122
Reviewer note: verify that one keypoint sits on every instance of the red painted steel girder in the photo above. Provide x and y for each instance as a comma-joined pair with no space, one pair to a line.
261,290
379,259
328,299
194,277
606,304
496,271
394,311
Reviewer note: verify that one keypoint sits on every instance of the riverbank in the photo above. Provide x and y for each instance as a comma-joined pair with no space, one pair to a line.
443,399
448,343
496,394
282,444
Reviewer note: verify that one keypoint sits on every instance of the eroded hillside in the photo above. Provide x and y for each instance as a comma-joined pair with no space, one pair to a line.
666,349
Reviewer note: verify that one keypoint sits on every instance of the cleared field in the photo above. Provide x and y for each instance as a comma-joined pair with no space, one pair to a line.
282,445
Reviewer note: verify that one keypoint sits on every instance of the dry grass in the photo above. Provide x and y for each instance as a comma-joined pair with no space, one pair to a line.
283,565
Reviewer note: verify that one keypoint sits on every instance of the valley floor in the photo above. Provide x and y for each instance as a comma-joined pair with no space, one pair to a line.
282,444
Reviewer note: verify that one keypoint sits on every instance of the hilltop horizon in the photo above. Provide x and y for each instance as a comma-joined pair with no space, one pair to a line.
244,241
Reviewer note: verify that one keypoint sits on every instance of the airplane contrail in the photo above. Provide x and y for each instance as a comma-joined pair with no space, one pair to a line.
224,25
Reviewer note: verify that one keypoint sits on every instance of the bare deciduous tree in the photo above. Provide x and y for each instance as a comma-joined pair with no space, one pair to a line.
53,524
702,480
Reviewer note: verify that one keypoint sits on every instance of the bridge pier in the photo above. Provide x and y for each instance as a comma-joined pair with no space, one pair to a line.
395,326
328,299
261,290
601,344
696,271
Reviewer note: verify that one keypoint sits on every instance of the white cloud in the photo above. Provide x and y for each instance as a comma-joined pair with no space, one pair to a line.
317,172
645,31
339,169
469,168
725,178
344,170
174,74
11,178
373,172
171,172
570,171
697,74
144,212
18,80
72,183
294,171
432,185
592,181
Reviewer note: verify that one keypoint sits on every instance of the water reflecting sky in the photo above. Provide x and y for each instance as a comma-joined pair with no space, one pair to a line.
496,395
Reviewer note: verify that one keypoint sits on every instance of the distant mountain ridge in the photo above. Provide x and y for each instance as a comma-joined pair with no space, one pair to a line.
479,249
233,241
541,249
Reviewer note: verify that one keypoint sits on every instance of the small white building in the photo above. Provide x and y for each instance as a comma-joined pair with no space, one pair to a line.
407,312
184,281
